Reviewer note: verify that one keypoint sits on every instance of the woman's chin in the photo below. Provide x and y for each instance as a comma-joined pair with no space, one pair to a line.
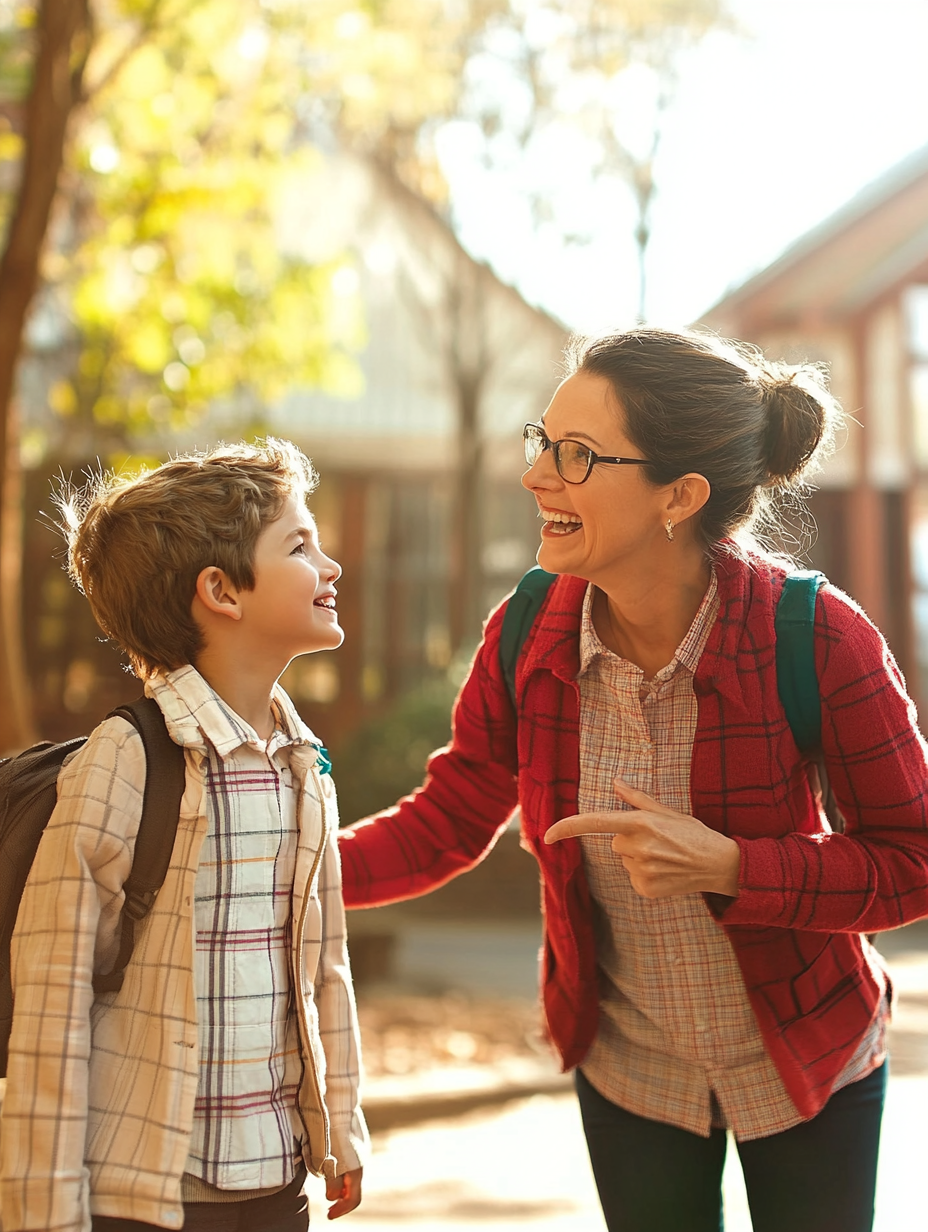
553,554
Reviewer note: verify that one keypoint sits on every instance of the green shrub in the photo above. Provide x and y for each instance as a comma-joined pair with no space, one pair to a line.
386,758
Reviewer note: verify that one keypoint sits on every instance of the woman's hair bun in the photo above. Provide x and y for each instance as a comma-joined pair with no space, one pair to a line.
801,415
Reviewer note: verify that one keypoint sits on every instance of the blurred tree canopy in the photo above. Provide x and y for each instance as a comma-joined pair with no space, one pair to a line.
167,265
520,79
148,147
390,74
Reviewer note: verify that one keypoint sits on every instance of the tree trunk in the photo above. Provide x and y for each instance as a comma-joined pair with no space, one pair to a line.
63,34
467,520
467,361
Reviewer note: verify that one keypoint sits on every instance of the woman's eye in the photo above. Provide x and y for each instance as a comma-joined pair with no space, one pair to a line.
573,451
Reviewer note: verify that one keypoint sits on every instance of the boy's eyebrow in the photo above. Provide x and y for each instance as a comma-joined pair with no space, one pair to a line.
308,528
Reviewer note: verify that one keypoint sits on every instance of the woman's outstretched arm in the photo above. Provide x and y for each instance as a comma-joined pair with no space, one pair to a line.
450,822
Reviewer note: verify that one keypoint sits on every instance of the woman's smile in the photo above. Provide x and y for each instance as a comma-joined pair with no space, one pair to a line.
558,522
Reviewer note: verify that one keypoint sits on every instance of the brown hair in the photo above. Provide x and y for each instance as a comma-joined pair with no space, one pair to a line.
136,545
755,428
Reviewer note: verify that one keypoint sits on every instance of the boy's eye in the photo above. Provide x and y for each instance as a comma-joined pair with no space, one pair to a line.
300,548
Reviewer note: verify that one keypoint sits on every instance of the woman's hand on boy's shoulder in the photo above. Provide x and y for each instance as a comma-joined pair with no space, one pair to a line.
344,1192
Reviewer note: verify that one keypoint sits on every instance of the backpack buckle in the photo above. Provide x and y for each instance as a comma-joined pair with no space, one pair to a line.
139,903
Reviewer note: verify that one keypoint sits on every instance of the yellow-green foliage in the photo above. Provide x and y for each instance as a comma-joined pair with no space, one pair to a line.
171,267
199,131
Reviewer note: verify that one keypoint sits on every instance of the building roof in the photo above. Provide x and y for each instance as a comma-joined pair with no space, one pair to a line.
877,240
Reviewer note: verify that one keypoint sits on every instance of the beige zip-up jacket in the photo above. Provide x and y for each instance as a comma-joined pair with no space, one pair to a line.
100,1091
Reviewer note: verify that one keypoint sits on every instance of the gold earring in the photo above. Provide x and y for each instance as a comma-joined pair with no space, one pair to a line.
669,529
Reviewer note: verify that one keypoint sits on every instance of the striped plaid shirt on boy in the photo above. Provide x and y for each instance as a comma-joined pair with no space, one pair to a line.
677,1040
245,1117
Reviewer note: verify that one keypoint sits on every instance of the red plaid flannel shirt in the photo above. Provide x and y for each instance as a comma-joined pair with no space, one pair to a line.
805,894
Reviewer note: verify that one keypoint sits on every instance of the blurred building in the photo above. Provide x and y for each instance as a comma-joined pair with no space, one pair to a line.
456,362
854,293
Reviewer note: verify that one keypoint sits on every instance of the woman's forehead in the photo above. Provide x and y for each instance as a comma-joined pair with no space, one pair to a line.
584,404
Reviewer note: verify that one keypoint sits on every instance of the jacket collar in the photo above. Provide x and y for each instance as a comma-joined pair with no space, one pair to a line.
744,587
195,714
747,595
553,644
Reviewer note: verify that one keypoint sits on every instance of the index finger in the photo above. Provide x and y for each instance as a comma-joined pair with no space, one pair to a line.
637,798
588,823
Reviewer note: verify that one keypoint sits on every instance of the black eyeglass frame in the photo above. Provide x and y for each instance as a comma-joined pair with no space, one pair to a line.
536,431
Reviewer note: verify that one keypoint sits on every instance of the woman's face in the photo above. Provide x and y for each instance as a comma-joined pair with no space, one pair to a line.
615,517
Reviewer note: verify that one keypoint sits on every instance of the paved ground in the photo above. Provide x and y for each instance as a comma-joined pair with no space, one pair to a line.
525,1165
523,1162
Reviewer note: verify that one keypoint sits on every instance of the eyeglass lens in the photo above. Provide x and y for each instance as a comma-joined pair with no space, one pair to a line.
572,460
570,457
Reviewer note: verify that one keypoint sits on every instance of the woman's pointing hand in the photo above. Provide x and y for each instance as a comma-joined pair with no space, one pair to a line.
664,852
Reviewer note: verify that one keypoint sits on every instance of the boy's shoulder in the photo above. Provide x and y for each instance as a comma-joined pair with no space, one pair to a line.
113,746
113,766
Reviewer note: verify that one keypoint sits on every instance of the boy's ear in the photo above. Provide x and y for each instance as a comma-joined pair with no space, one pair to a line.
217,594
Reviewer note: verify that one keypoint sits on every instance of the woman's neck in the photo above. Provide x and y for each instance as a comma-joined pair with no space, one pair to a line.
644,617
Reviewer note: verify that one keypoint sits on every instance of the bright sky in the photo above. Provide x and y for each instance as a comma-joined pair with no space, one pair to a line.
770,133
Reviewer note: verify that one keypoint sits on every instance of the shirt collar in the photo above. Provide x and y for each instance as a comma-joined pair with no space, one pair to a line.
195,713
687,653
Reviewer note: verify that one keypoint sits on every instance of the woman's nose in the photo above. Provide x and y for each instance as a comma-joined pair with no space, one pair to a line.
542,473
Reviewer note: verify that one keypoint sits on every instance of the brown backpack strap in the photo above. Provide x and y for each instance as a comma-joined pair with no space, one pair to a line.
165,779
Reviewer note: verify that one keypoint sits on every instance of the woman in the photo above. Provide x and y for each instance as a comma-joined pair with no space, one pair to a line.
705,965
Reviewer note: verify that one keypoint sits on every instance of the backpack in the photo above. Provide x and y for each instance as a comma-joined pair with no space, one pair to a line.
28,793
797,682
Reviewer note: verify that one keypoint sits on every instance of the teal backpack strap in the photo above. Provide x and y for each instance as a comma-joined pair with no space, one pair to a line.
521,610
797,680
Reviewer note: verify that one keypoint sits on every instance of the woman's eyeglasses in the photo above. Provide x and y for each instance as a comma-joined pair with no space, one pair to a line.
574,461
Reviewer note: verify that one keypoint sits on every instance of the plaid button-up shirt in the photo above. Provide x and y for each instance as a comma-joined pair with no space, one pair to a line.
676,1027
246,1119
101,1092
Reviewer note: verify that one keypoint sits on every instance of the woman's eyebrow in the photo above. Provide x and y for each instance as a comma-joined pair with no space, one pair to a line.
579,436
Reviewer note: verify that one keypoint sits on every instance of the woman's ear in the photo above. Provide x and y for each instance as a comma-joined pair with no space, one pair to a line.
687,496
217,594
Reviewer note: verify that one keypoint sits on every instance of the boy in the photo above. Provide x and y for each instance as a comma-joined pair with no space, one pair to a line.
227,1066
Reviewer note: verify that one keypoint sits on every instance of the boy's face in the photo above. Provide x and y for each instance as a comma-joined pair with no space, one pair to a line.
292,606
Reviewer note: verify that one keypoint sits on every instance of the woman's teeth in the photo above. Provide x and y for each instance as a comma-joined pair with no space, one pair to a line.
558,523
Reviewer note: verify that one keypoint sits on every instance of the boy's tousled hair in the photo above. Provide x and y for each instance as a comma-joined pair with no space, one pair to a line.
136,544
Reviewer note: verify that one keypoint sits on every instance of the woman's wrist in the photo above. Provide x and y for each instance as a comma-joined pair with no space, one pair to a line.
727,869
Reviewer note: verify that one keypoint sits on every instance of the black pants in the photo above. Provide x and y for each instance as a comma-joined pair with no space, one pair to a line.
819,1176
287,1211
